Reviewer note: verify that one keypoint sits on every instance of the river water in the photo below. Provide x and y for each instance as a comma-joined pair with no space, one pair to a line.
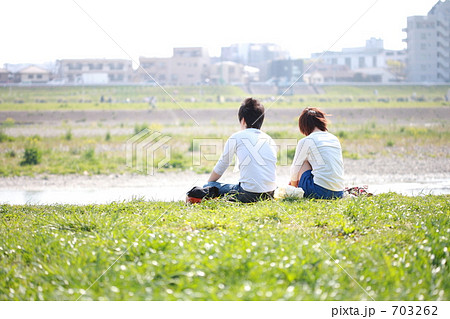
85,196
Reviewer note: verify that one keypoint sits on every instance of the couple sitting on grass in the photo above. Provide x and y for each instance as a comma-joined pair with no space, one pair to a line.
317,167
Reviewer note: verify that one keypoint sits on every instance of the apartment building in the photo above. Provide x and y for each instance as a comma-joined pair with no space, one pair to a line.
229,72
372,59
257,55
94,71
285,72
428,45
190,66
154,69
187,66
328,73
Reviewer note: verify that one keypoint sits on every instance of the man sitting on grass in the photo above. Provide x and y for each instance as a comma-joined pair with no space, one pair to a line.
256,153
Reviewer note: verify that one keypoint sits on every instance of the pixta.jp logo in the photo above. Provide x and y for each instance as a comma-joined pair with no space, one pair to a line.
148,150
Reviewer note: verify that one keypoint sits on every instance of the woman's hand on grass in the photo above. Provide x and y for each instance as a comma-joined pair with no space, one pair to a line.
293,183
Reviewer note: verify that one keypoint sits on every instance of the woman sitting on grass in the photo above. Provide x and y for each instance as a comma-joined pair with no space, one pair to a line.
318,167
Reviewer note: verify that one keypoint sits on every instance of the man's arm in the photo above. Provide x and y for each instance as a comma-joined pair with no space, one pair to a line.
214,177
224,161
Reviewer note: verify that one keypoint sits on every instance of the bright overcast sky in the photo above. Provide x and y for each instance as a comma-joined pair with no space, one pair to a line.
37,31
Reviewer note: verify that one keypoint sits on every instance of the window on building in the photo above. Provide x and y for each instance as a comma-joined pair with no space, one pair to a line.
423,46
119,66
39,76
362,62
333,61
97,66
74,66
348,62
231,70
374,61
30,76
423,36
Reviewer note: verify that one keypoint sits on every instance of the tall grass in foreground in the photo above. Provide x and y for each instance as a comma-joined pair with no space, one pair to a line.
394,247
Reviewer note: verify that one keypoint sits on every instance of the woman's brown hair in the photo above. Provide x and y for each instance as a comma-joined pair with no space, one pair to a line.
311,118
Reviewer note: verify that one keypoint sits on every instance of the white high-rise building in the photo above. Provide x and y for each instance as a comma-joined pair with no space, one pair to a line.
428,45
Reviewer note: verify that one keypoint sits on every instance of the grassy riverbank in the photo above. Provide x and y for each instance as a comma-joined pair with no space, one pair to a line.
391,248
94,150
47,98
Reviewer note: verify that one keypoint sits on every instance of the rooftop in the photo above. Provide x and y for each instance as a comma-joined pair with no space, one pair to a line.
33,69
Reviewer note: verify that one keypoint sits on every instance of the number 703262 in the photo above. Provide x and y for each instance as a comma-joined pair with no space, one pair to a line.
415,310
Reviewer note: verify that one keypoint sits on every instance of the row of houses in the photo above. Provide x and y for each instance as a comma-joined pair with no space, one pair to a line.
193,66
426,59
187,66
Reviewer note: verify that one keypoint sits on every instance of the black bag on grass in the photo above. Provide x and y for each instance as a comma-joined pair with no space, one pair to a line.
203,192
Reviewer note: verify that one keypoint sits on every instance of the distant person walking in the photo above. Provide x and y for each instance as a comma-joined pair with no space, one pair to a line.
318,166
152,102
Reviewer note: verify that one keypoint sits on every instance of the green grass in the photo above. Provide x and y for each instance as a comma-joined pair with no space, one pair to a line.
133,97
93,155
125,93
395,247
394,91
70,153
63,155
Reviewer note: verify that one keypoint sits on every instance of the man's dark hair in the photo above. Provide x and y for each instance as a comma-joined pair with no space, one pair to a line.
253,113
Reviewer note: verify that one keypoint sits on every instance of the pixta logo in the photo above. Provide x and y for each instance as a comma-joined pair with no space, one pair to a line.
148,150
210,149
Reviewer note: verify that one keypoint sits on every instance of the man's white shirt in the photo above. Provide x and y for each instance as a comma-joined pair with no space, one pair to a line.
257,158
